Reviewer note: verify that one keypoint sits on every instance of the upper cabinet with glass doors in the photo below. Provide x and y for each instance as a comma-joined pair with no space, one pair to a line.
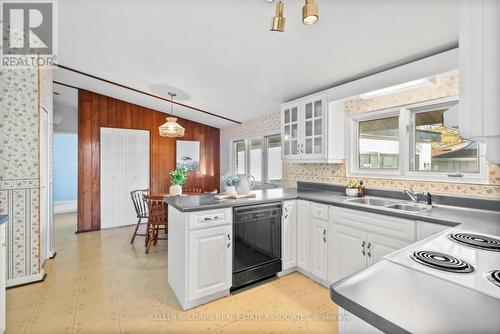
312,130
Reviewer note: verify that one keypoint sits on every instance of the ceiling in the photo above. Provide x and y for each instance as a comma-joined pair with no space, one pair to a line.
221,56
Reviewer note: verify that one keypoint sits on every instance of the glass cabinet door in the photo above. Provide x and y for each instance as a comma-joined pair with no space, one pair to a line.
314,123
291,131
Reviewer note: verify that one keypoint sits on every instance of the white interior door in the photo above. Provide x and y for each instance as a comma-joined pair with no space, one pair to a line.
137,167
107,177
120,178
124,167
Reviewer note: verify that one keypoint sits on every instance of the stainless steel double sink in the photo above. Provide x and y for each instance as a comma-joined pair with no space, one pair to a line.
390,204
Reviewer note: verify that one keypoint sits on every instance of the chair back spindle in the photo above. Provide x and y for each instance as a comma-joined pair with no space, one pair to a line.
141,208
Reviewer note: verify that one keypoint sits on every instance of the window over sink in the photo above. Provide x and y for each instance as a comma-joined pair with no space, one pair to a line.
413,141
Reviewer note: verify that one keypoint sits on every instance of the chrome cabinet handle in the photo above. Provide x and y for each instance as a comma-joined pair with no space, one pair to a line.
363,248
211,218
368,247
228,245
228,237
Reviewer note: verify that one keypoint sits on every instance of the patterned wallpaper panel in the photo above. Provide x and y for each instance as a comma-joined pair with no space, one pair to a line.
445,85
254,127
19,169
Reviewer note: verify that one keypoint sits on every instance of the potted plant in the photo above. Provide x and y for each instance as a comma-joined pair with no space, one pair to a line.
351,187
178,177
230,181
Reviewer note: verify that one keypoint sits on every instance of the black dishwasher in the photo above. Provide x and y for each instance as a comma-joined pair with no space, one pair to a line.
256,243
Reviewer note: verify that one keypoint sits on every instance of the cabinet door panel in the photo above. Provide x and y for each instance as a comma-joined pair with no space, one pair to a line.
314,121
303,231
379,246
107,177
290,130
289,235
319,248
137,167
348,256
209,261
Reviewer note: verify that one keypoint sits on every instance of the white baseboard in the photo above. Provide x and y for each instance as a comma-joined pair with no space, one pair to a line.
25,279
65,207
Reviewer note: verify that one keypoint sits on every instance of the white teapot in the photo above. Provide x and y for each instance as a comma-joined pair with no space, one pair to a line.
246,184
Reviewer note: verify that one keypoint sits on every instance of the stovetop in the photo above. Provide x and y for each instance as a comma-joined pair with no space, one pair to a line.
466,258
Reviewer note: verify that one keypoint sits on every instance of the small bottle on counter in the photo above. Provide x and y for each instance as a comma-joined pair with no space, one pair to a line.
361,189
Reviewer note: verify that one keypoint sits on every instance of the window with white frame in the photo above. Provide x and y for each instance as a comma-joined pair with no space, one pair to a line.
259,157
412,141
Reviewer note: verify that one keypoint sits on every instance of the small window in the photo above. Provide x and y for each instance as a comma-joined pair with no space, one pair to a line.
256,159
438,148
378,143
259,157
240,157
273,159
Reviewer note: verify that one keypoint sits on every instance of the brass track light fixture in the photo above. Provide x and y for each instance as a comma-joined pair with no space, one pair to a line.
310,12
278,21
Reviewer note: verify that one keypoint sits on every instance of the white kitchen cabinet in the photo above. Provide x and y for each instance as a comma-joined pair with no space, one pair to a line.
425,229
479,55
348,255
303,234
124,168
360,239
289,235
209,261
199,255
378,246
290,123
313,130
319,248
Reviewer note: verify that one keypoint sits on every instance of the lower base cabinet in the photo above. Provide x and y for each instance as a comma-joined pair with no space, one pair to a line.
199,255
303,233
289,235
354,250
209,261
319,248
363,239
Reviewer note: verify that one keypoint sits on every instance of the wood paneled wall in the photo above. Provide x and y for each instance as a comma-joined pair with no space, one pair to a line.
96,111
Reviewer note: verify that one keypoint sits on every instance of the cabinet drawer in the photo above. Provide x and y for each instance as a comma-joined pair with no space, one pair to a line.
208,218
403,229
319,211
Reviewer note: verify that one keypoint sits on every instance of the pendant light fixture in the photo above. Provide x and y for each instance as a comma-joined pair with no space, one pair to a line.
171,128
310,12
278,21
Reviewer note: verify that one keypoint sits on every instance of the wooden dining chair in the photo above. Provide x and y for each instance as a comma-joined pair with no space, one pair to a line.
141,210
158,219
192,190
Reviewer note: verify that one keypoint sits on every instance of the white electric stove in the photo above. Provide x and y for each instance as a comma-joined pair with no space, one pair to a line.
463,257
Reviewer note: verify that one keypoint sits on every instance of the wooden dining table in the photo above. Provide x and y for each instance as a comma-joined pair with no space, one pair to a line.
163,195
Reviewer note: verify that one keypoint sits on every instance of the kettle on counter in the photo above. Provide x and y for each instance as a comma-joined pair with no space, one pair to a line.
246,184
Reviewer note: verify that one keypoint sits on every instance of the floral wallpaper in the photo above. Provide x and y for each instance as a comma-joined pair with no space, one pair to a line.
445,85
19,177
